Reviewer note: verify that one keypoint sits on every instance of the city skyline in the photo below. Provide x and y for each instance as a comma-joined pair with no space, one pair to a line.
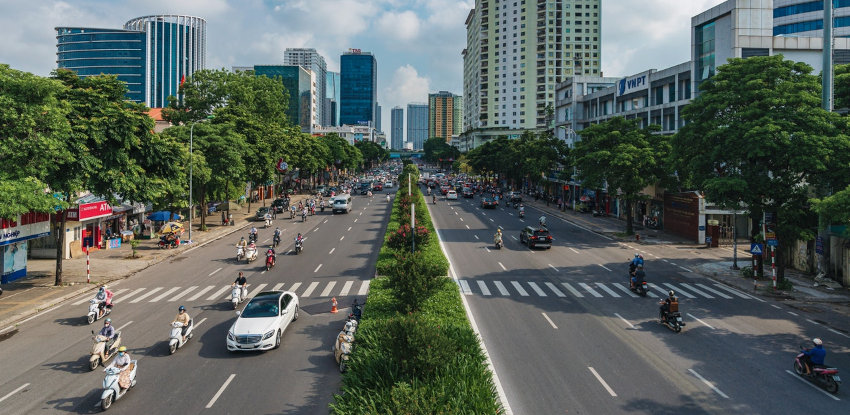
418,47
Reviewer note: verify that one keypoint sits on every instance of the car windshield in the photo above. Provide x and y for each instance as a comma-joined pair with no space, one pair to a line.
261,307
339,202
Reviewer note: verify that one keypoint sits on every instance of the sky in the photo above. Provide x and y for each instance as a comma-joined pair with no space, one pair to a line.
417,43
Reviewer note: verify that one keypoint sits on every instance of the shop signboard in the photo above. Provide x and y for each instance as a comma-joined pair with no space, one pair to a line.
28,226
94,210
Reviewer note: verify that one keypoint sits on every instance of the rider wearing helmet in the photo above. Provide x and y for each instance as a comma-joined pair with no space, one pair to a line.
183,318
814,356
109,332
665,304
122,361
242,243
638,277
104,298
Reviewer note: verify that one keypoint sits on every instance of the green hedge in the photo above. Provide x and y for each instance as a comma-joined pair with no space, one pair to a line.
423,362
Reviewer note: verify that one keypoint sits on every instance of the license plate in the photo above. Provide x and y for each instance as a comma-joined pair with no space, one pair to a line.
837,379
679,319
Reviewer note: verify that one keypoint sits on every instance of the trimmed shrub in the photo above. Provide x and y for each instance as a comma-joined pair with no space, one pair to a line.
402,238
413,279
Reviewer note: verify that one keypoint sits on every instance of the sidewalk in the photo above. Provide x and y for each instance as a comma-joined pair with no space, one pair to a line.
36,292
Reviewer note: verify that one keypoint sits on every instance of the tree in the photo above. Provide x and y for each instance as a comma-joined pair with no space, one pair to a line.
756,135
623,155
842,87
372,152
436,150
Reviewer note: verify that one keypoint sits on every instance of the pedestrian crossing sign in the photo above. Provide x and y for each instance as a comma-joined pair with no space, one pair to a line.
755,249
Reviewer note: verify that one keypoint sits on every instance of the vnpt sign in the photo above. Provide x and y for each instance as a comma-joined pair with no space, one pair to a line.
632,84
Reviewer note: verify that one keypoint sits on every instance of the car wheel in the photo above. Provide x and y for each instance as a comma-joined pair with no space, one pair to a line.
277,340
295,314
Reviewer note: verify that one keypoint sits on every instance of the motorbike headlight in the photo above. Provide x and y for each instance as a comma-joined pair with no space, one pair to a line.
268,334
230,336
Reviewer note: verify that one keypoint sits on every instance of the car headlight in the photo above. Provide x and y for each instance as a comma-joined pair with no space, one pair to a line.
268,335
230,336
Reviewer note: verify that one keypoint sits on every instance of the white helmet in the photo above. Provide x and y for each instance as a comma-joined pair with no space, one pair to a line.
817,341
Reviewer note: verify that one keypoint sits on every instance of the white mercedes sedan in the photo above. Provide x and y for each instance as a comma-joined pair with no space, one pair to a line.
261,324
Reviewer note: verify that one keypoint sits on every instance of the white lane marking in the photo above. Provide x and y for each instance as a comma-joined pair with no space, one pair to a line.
461,219
14,392
476,236
503,267
258,289
455,213
514,237
326,221
182,293
294,287
813,322
331,251
603,266
136,291
163,295
519,288
665,260
678,290
652,255
262,272
624,320
550,321
607,290
349,228
838,332
491,220
501,288
361,213
570,288
221,390
346,288
674,264
590,290
467,226
364,288
355,220
555,289
793,314
776,306
626,290
200,293
316,229
267,239
199,323
464,287
537,289
699,292
342,237
553,267
85,299
483,287
219,293
310,289
602,381
687,270
146,295
488,249
812,385
125,325
703,323
500,227
317,268
735,292
277,286
571,249
327,291
710,385
718,293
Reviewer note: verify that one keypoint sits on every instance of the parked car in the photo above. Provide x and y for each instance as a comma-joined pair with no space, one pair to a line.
451,195
534,237
261,324
280,205
488,203
261,213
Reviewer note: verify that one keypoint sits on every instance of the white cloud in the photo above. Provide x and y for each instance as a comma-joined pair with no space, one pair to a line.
406,86
402,26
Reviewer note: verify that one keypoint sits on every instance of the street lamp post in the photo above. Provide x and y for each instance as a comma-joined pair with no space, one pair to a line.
191,166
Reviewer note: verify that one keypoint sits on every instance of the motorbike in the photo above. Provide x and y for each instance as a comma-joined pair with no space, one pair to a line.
268,223
112,391
292,212
250,254
497,241
240,253
322,207
270,260
673,319
638,286
276,241
169,243
516,205
94,311
823,376
176,339
237,295
99,355
299,246
312,210
344,343
304,216
252,237
522,213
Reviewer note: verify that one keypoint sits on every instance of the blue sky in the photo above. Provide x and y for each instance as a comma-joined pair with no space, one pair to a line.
417,42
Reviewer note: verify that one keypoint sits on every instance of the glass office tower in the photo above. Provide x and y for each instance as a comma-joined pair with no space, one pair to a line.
358,88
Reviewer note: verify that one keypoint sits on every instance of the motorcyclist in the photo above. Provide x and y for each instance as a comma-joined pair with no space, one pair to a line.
434,198
241,281
299,238
104,298
304,214
271,253
122,361
814,356
253,233
638,277
388,198
497,238
109,332
542,221
638,260
268,217
521,210
242,243
183,318
277,235
665,304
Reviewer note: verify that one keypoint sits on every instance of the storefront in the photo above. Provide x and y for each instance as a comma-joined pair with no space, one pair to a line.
14,235
684,215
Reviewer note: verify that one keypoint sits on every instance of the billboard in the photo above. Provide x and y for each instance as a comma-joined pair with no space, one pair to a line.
633,84
27,226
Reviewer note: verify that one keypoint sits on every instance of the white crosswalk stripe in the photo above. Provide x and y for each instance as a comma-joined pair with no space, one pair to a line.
483,287
607,290
519,289
346,288
718,293
258,289
625,289
570,288
697,290
678,291
364,288
125,296
327,291
294,287
590,290
733,291
163,295
310,289
501,288
200,293
464,287
555,289
181,294
145,295
537,289
277,286
218,293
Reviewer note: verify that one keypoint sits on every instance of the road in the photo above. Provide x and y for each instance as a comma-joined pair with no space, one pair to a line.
567,336
44,361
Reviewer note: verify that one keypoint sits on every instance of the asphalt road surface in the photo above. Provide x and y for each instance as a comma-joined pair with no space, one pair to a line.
566,336
44,361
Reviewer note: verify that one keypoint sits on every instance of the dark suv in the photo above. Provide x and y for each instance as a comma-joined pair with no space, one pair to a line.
515,197
488,202
533,237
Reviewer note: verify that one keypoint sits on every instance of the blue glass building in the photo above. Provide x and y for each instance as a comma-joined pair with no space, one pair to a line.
805,18
91,52
152,54
298,83
358,88
417,125
332,91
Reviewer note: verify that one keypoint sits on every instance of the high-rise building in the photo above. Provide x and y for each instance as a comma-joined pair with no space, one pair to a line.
417,124
152,54
298,81
332,97
804,18
311,60
445,115
397,128
358,88
518,51
378,117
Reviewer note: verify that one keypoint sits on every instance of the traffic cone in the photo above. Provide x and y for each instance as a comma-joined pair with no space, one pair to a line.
333,306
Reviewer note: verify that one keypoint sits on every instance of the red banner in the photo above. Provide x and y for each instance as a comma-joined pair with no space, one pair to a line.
94,210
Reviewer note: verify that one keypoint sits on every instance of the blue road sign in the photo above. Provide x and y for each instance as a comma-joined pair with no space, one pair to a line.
756,249
773,242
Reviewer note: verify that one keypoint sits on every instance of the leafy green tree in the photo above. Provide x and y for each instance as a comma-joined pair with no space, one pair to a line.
436,148
756,136
372,152
623,155
842,87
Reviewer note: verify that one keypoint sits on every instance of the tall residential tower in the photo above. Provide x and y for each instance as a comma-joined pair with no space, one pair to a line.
417,124
311,60
397,128
445,115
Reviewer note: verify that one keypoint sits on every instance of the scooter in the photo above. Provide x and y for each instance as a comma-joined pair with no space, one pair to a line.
276,241
292,212
521,213
94,311
252,237
99,354
250,254
497,241
240,253
638,286
165,243
298,246
342,349
673,321
112,391
268,223
270,261
176,340
237,295
825,377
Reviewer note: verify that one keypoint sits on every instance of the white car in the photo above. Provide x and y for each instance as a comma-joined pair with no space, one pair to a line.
388,184
451,195
261,324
